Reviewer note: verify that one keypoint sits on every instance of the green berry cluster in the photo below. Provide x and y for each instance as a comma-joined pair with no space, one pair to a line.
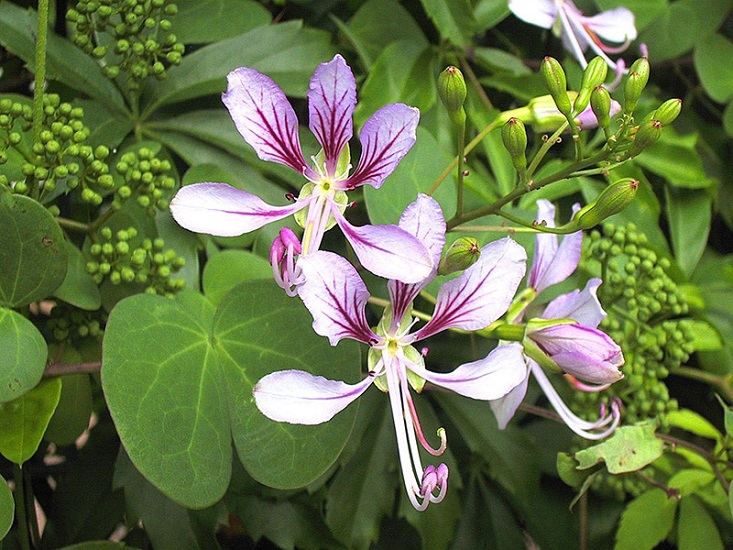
621,486
646,316
15,119
123,258
61,155
147,178
70,323
142,44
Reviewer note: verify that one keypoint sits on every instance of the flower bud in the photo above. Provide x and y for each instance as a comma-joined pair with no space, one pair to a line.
514,136
553,77
668,111
600,102
647,134
612,200
635,83
594,76
462,254
452,91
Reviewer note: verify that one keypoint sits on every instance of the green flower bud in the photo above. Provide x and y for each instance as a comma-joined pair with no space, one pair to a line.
635,83
612,200
594,76
600,103
647,134
452,91
514,136
553,77
668,111
461,255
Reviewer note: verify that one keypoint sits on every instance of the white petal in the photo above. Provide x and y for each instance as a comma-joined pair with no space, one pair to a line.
614,25
541,13
581,306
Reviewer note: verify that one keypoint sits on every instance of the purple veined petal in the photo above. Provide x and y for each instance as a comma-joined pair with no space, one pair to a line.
388,251
222,210
551,263
615,25
482,293
506,407
541,13
386,138
486,379
336,297
265,118
423,219
331,102
298,397
581,306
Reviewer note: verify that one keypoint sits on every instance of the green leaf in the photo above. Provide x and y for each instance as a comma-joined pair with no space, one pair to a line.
489,13
693,422
727,415
728,119
690,481
287,53
23,421
23,357
646,522
202,21
711,58
498,60
696,529
227,269
453,18
179,388
675,158
415,174
64,62
688,213
567,469
629,449
705,337
78,288
7,509
72,414
33,256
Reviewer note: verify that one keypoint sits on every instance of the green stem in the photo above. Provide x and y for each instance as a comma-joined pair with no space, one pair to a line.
21,509
73,225
461,157
41,40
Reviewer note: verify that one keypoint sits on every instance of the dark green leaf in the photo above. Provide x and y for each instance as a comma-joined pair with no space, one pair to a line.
711,62
696,529
630,448
453,18
675,158
7,509
688,213
646,522
78,288
23,421
33,257
202,21
23,357
72,414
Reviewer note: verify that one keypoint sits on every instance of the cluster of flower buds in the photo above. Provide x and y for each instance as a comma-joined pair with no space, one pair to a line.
70,323
142,44
147,179
61,158
122,257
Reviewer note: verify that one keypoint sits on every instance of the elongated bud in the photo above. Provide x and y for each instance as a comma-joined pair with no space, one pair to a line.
612,200
635,83
461,255
514,136
594,76
452,91
648,134
668,111
600,102
553,77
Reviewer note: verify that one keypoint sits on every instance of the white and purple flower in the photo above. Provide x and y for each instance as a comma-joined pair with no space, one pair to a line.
266,120
336,297
578,31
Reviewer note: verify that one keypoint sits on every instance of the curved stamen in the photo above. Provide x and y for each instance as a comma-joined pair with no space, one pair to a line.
434,478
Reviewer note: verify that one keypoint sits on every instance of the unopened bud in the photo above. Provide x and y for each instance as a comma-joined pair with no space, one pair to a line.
600,102
647,134
668,111
594,76
612,200
452,91
553,77
461,255
635,83
514,136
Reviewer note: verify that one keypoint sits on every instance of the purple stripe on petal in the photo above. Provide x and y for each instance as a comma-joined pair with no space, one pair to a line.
336,297
486,379
331,101
385,139
265,118
388,251
482,293
223,210
298,397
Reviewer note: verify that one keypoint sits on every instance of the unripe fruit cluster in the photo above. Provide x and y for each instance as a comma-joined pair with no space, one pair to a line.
142,44
147,179
122,257
70,323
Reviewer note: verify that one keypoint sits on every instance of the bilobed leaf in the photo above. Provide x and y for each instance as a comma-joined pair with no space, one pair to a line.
630,448
688,213
23,357
7,509
23,420
33,256
646,522
696,529
202,21
712,57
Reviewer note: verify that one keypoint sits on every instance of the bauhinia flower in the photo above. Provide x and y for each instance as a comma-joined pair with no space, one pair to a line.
565,337
266,120
336,297
578,31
